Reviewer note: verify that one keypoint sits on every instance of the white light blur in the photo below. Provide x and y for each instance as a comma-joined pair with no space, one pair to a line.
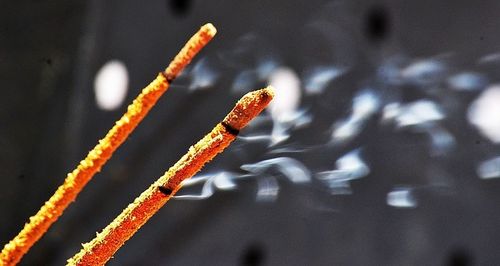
484,113
292,169
347,168
111,85
390,112
318,78
489,169
418,113
267,189
424,72
202,75
287,92
284,107
364,105
401,198
490,58
467,81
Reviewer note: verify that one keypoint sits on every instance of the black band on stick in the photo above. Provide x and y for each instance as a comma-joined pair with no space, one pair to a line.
231,130
168,77
165,190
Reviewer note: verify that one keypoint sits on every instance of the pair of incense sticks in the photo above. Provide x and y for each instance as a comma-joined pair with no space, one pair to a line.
101,249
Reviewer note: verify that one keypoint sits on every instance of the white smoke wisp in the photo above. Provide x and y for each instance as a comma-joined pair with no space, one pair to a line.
203,75
415,114
209,184
402,197
291,168
317,79
347,168
489,169
364,105
424,72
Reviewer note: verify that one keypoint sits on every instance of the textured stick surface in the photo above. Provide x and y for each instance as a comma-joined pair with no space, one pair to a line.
97,157
106,243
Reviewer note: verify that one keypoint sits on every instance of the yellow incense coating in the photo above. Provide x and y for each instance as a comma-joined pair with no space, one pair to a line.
105,244
97,157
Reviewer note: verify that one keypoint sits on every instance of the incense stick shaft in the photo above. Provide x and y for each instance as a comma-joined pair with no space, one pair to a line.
97,157
106,243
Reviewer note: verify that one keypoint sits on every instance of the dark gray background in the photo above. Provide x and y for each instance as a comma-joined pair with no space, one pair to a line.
51,50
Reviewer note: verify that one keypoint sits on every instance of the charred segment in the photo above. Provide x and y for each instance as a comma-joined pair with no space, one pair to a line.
165,190
231,130
169,78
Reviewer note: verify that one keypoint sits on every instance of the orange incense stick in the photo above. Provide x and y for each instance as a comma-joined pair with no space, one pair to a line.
105,244
96,158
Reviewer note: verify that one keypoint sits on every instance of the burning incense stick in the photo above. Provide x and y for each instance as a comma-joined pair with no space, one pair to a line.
76,180
106,243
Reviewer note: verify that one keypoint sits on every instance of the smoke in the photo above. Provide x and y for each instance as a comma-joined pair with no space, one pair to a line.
317,132
348,168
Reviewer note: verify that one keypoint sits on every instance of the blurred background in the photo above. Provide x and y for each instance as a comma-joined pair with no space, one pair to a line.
381,147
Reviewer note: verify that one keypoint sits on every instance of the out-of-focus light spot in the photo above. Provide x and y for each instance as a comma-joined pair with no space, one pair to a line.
348,167
419,112
286,85
424,72
267,189
294,170
467,81
111,85
283,108
318,78
484,113
489,169
401,198
203,75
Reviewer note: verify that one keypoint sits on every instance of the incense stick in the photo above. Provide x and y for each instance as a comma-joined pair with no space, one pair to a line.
96,158
105,244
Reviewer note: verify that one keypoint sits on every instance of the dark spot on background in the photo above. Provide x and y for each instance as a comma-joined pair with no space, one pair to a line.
253,255
179,7
459,257
478,142
21,176
377,24
47,61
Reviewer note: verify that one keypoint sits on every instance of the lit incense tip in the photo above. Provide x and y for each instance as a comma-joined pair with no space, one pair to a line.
248,107
193,46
